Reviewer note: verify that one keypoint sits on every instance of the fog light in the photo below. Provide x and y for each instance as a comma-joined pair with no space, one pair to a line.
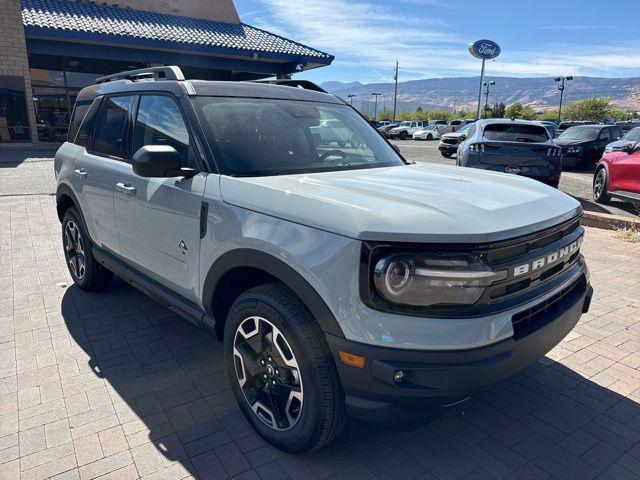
398,376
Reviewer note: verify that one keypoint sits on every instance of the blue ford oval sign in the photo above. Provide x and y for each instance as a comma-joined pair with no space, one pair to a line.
484,49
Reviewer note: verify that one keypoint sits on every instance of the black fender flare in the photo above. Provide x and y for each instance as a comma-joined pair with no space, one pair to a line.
245,257
65,190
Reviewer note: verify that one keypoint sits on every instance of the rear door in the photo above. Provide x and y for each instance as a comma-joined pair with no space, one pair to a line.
159,218
95,168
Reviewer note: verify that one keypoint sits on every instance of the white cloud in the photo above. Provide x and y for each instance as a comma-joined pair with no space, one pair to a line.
372,37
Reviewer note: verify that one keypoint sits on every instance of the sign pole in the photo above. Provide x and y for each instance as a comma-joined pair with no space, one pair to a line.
480,89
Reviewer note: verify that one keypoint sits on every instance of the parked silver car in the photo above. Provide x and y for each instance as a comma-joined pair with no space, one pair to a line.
339,279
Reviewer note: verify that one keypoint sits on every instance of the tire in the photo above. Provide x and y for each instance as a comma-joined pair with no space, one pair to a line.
404,135
87,274
601,186
446,155
429,137
314,412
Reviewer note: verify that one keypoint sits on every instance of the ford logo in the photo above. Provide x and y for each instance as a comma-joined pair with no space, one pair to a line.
484,49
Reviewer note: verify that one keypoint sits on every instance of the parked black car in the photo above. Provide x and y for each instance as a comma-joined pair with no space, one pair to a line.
628,125
512,146
583,145
564,125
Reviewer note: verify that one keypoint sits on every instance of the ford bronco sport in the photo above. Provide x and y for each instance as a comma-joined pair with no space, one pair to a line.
340,278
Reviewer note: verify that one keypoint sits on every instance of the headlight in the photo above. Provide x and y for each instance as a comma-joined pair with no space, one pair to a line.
430,279
573,149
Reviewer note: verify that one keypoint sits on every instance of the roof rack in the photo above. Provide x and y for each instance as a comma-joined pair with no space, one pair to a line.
304,84
152,73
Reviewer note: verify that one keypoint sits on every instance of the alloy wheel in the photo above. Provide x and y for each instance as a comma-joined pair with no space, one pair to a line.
74,249
268,373
598,185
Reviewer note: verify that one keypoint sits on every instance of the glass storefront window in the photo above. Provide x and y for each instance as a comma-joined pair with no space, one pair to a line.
14,121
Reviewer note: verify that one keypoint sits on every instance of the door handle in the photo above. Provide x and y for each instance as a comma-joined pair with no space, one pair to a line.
80,172
126,188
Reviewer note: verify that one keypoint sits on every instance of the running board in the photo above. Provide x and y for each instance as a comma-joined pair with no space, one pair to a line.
626,195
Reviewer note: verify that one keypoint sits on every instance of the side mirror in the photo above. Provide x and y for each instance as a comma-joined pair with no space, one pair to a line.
463,137
161,161
630,148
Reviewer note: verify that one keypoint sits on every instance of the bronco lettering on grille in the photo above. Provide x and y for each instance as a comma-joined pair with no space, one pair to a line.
549,259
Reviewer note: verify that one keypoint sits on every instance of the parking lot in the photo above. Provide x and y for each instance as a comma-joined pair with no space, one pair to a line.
112,385
574,182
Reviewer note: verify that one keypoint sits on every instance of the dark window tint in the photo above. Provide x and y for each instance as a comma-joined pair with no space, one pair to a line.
160,122
633,135
508,132
79,111
109,137
87,124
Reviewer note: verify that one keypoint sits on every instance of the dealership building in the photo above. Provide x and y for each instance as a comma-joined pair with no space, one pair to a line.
50,49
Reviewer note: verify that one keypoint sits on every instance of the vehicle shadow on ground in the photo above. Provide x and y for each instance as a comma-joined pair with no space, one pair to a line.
169,386
12,159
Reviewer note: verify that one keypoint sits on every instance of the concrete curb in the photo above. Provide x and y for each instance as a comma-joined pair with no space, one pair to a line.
609,222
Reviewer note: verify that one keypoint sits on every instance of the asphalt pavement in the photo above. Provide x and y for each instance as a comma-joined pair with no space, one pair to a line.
575,183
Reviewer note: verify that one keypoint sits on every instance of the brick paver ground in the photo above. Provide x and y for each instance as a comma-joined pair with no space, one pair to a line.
111,385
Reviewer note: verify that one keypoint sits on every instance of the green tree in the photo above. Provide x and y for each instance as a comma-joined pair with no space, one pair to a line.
596,109
549,115
498,109
528,113
514,110
419,111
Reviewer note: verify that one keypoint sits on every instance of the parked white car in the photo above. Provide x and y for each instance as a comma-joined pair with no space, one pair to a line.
426,133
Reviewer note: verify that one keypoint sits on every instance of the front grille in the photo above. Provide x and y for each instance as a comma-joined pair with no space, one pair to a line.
450,141
536,317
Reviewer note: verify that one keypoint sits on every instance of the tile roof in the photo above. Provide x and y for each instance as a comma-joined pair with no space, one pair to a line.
80,16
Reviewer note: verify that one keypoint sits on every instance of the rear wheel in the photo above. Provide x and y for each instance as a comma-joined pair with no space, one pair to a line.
85,271
600,186
404,135
429,136
281,370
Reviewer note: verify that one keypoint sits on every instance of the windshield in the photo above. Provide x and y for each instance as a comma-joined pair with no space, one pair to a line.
262,137
405,124
632,135
509,132
579,133
465,129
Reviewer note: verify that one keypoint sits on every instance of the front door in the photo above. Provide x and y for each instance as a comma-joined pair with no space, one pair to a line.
158,219
627,175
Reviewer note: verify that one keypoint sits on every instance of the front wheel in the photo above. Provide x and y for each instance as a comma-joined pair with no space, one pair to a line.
404,135
429,137
600,186
446,154
281,370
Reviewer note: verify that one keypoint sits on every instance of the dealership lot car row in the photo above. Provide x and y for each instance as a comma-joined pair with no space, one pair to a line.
226,202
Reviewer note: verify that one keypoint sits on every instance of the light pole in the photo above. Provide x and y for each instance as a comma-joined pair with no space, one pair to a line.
375,111
351,97
395,91
561,88
486,94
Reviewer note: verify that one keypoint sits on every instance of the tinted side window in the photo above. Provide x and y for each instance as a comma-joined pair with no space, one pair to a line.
87,124
160,122
110,133
79,111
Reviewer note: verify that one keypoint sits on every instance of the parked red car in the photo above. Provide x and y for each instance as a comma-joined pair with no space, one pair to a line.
618,175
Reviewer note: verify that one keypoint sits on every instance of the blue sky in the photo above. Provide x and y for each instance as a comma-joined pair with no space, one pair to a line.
429,37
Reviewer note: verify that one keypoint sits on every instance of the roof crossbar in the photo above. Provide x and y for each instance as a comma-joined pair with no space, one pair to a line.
152,73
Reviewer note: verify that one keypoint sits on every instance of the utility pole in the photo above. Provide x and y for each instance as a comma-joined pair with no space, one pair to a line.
480,89
561,88
395,91
351,97
375,110
486,94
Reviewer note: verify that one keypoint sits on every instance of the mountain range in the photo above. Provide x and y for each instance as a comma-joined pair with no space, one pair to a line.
462,92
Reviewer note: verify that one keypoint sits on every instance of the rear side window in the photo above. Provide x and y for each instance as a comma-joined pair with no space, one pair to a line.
507,132
110,133
79,111
87,124
160,122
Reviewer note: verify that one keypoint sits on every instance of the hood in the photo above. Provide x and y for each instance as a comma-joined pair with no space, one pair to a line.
618,144
412,203
451,135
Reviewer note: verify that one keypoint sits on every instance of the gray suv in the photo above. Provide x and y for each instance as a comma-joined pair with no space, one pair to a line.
340,278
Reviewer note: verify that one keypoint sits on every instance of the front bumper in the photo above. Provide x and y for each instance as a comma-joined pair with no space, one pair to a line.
448,147
434,379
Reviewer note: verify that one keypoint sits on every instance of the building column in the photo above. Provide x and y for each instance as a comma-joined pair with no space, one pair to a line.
14,60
